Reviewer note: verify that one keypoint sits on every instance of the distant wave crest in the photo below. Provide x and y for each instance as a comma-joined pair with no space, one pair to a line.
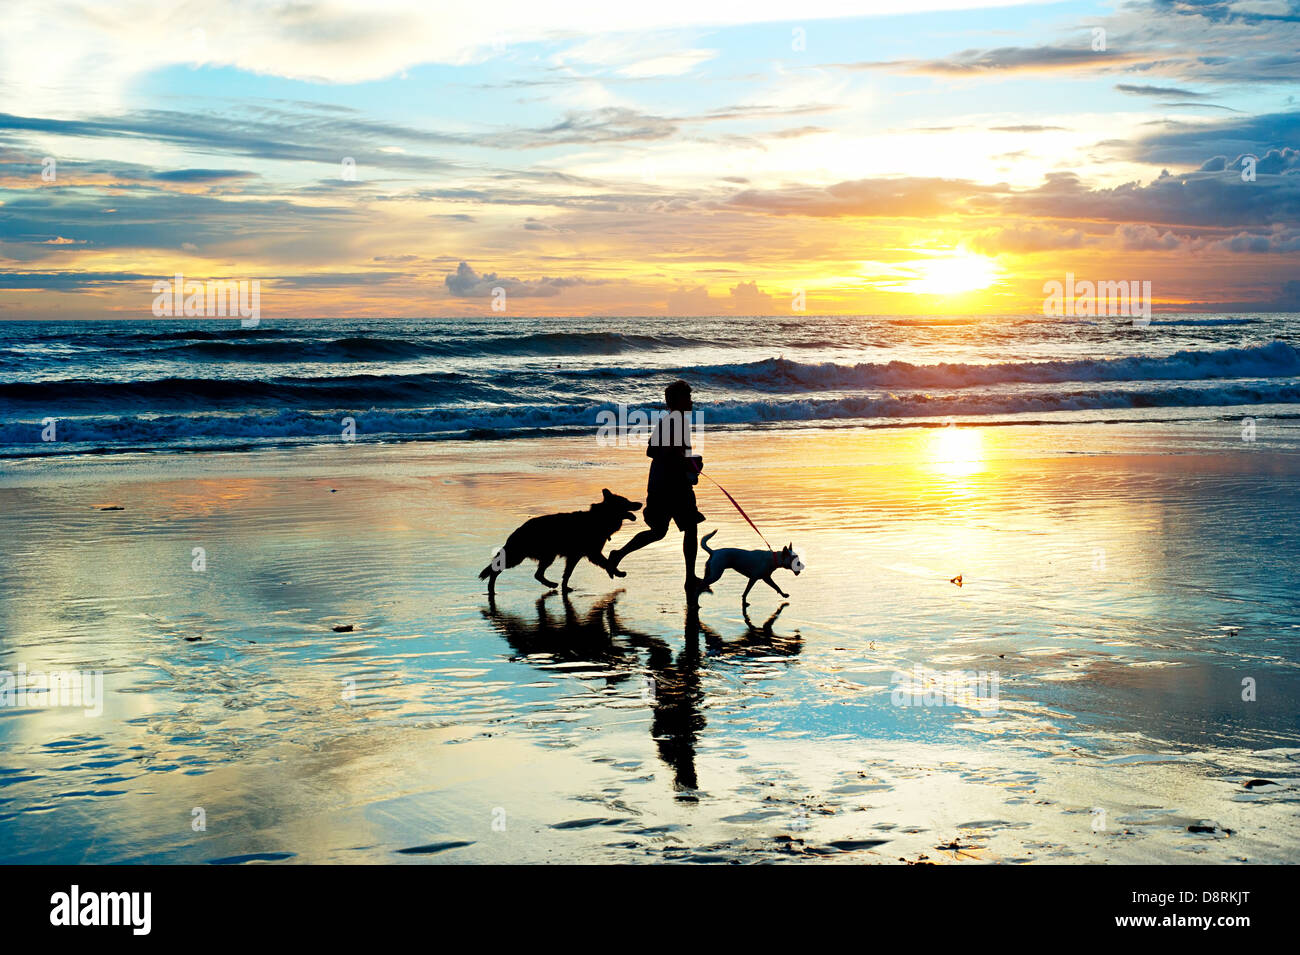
1277,359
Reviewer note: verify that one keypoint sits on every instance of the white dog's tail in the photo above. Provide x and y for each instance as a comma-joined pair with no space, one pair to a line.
704,541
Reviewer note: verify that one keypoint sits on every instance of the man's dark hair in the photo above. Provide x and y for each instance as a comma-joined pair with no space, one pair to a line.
678,394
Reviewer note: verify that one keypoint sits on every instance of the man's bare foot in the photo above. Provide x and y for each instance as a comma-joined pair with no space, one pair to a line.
611,564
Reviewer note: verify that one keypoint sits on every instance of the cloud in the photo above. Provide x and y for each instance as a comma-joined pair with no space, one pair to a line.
609,124
1133,90
799,132
1278,241
1145,238
1204,41
327,41
689,301
1213,197
322,136
638,56
467,283
1227,109
746,299
68,281
906,197
202,175
152,219
1206,200
670,64
318,280
1008,60
1189,142
1022,240
1232,11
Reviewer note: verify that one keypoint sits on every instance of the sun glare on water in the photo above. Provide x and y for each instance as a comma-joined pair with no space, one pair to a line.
957,451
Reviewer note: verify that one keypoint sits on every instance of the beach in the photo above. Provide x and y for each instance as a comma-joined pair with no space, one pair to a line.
325,680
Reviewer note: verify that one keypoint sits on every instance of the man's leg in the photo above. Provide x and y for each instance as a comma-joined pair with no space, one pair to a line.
647,537
689,551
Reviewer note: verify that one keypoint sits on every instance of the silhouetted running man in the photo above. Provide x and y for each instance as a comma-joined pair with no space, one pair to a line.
670,493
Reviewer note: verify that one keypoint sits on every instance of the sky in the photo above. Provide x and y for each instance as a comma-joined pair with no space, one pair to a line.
377,159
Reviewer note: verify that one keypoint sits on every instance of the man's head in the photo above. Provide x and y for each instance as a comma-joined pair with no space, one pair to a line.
678,396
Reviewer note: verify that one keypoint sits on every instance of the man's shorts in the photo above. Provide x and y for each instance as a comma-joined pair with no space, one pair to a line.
678,507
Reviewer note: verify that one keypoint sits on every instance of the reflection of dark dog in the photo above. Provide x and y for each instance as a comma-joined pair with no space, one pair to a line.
582,641
573,536
755,564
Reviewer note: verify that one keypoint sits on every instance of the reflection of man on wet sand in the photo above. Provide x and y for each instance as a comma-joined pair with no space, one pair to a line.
599,638
677,720
679,698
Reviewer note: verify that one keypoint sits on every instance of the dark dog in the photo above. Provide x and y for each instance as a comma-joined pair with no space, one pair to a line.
573,536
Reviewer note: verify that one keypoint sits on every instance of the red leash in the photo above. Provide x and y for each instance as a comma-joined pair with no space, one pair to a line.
739,508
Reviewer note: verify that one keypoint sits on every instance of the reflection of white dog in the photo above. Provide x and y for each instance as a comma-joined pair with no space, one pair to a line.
755,564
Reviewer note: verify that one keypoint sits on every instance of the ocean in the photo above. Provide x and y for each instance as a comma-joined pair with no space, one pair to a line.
148,385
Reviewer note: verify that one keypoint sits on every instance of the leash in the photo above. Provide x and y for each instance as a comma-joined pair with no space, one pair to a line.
739,508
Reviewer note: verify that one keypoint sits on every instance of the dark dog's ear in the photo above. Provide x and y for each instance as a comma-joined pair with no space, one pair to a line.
605,491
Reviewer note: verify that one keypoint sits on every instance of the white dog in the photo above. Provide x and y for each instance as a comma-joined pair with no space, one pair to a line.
755,564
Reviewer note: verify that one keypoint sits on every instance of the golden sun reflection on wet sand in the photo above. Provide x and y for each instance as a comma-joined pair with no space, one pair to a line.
957,452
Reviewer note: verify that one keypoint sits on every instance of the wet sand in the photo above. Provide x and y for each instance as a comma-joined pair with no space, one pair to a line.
1119,581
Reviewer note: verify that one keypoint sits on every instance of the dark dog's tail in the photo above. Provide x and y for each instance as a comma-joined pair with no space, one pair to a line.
704,542
498,564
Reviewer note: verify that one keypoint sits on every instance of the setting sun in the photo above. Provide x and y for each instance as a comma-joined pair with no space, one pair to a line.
953,275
